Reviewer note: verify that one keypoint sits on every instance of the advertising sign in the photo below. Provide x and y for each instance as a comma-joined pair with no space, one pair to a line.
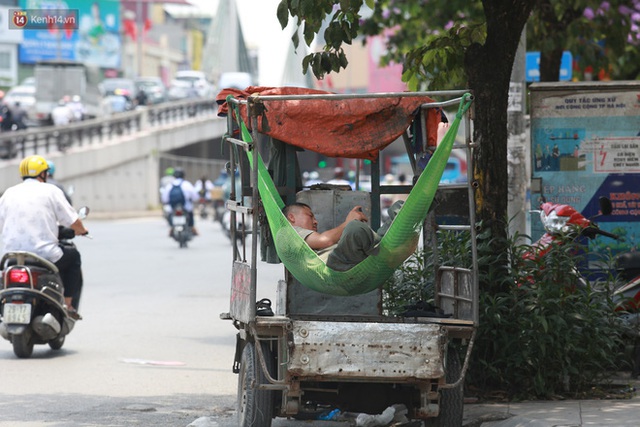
586,144
532,66
93,37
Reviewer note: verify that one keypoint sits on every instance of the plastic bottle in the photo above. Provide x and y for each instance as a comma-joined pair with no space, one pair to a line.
329,416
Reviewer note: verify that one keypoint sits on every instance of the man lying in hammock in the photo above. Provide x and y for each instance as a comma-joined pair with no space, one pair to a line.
341,247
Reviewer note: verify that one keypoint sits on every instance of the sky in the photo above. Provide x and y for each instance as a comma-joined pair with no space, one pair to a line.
261,28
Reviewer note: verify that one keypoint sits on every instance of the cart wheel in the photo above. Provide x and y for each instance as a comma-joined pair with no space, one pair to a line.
255,407
452,399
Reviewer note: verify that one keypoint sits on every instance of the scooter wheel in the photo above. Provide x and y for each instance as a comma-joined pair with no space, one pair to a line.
56,344
23,344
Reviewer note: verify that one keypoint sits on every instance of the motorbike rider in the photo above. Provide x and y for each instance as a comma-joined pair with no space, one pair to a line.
204,186
30,213
189,193
52,180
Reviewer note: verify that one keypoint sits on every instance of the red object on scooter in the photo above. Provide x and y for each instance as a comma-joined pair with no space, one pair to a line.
556,219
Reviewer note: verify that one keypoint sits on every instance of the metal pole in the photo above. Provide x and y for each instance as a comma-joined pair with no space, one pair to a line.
517,145
140,25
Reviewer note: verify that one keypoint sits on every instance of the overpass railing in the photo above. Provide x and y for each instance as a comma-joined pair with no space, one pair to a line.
48,139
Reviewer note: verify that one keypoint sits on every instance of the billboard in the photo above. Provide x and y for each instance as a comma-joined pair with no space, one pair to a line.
95,42
586,144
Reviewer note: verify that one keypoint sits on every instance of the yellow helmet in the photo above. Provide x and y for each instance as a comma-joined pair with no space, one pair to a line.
32,166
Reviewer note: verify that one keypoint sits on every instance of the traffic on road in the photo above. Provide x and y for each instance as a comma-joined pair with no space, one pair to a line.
150,350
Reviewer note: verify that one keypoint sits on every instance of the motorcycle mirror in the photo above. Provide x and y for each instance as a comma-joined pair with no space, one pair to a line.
605,205
83,212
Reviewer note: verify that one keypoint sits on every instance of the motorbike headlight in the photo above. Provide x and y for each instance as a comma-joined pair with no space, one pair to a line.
553,223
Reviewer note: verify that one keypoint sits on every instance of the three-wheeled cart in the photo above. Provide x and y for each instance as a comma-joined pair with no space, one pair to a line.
321,351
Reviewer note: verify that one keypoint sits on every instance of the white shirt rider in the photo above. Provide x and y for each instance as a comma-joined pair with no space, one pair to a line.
41,234
189,191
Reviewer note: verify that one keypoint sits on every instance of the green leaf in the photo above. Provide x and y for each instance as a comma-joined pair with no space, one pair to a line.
283,14
326,62
316,65
305,63
343,59
545,325
335,63
370,3
308,33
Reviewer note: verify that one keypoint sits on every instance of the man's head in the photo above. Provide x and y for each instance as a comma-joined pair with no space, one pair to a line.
301,215
178,173
52,168
34,167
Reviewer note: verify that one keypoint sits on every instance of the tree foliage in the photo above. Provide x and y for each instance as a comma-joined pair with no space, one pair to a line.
477,53
430,37
601,35
456,43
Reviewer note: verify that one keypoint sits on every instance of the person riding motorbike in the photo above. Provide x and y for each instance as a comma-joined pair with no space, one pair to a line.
189,193
30,215
52,180
204,186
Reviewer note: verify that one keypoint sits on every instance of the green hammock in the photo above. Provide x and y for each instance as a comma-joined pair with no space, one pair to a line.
398,243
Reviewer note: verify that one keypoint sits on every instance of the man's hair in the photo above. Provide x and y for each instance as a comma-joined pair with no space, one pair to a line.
293,207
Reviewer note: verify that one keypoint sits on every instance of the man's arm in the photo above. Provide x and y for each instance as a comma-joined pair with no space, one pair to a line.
328,238
78,227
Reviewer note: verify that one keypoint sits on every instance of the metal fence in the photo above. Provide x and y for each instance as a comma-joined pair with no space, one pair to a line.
48,139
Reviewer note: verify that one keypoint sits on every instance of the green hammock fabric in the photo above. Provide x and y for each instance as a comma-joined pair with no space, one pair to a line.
398,244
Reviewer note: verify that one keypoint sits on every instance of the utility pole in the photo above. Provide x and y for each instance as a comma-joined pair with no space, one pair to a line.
140,32
518,153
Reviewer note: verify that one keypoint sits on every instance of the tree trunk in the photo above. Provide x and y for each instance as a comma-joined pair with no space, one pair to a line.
488,68
550,62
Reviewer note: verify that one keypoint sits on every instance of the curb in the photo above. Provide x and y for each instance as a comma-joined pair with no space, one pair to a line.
156,213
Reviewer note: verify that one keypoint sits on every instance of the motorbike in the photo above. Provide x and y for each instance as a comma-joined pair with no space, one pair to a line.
180,230
560,219
203,208
32,306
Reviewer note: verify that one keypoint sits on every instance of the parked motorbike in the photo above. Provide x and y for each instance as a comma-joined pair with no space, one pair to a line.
559,220
180,230
32,300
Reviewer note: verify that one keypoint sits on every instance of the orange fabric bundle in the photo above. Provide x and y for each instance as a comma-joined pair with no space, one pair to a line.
351,128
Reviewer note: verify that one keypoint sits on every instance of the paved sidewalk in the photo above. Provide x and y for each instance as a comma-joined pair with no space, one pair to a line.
557,413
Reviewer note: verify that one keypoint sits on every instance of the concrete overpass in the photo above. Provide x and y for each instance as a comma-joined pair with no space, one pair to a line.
114,163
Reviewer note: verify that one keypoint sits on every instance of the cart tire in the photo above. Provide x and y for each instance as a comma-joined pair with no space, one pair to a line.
452,399
255,407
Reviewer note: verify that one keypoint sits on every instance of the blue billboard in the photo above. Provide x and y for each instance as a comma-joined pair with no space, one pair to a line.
95,42
586,144
532,67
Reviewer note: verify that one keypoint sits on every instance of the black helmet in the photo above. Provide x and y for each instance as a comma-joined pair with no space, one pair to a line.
178,173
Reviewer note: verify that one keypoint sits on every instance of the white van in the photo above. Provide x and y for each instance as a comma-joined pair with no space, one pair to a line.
235,79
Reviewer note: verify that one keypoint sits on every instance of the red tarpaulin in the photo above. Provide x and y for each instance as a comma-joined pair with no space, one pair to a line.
352,127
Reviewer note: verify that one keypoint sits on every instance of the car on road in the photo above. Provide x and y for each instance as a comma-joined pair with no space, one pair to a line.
26,97
235,79
153,87
28,81
190,84
110,85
